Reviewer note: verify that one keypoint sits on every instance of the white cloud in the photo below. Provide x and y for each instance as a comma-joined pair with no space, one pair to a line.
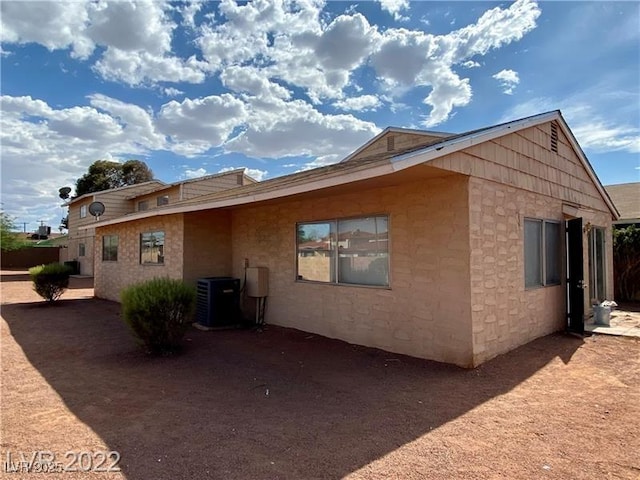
252,81
410,58
254,173
55,25
172,92
135,67
470,64
279,128
358,104
508,79
595,131
189,173
394,7
269,48
136,36
131,26
44,148
195,126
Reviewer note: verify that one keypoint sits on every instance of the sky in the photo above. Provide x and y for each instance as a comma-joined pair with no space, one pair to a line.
276,87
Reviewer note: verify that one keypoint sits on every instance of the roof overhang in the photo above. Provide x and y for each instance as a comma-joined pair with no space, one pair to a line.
395,164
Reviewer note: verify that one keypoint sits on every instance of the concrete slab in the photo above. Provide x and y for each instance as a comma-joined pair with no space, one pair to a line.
624,323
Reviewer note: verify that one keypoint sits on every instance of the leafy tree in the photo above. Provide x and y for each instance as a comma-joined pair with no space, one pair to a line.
9,239
626,261
105,175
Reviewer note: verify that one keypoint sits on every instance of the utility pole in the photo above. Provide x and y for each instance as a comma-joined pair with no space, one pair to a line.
24,227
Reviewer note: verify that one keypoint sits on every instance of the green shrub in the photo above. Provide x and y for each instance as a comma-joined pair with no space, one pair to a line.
158,312
50,281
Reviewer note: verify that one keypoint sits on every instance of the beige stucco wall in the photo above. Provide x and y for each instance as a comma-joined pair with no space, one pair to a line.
207,245
426,312
111,277
73,250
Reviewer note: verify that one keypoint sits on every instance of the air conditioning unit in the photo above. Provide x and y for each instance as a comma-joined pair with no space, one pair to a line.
218,302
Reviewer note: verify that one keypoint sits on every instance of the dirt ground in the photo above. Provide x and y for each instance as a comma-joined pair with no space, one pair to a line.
283,404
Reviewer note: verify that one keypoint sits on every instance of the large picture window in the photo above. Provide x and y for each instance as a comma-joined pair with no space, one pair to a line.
352,251
542,253
152,248
110,248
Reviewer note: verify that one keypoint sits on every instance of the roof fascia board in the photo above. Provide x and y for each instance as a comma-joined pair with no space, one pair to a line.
587,165
317,184
446,147
395,164
110,190
407,160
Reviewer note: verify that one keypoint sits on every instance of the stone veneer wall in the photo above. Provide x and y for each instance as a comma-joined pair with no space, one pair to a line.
425,313
111,277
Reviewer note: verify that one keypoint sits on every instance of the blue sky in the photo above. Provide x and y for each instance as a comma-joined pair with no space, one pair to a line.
278,87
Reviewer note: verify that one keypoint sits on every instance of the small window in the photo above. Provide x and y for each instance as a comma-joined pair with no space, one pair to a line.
162,200
152,248
110,248
350,251
83,211
542,253
81,250
143,205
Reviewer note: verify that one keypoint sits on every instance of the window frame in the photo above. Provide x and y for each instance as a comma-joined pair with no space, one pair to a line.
143,205
110,246
82,250
141,247
334,229
83,211
543,259
162,200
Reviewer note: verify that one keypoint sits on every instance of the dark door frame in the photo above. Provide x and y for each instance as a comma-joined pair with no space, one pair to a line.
575,276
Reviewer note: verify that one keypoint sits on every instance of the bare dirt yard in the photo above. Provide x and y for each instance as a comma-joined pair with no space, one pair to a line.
283,404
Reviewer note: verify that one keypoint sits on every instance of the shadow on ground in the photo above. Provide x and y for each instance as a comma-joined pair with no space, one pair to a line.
247,404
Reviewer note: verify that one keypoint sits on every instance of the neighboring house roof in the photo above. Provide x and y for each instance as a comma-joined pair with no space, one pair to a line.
110,190
365,168
626,197
195,180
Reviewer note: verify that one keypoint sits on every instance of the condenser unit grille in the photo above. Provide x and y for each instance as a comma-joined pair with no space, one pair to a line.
218,301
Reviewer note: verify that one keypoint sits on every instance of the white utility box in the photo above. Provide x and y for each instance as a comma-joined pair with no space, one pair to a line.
257,281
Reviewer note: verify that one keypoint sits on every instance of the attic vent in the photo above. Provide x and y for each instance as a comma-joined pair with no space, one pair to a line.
391,143
554,137
239,179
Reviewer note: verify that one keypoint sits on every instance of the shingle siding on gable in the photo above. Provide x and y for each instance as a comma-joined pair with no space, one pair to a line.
400,141
524,160
212,185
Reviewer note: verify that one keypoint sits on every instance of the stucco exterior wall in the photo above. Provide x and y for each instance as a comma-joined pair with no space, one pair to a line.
111,277
207,245
426,312
73,250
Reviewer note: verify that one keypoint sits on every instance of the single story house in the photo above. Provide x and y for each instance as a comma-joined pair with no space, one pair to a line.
131,198
442,246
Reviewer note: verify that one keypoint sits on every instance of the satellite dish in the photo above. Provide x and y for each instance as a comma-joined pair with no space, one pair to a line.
96,209
64,192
